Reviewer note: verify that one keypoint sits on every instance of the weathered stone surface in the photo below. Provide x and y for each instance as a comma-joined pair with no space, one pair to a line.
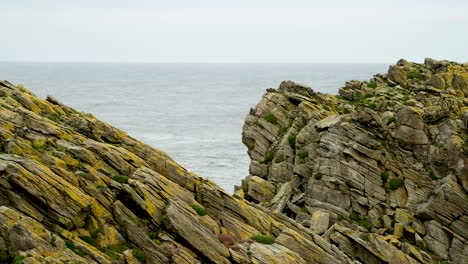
74,189
410,128
258,189
305,248
192,228
377,246
273,254
437,240
384,165
387,156
437,81
320,221
397,75
328,121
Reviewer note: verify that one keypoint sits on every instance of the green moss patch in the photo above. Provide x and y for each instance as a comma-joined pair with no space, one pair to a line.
395,183
18,260
199,209
318,176
279,159
139,254
303,154
292,141
89,240
267,240
268,157
271,118
69,244
391,120
384,176
120,179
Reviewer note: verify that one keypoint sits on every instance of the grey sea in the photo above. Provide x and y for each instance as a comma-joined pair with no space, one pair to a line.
194,112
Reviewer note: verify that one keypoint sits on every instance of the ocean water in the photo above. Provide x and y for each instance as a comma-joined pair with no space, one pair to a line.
194,112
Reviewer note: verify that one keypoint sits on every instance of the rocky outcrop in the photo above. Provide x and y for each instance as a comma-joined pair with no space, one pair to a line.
375,175
74,189
380,172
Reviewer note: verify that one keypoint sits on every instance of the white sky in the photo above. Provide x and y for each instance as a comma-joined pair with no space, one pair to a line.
333,31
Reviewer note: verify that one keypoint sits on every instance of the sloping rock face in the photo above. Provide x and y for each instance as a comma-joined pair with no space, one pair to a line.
380,172
375,175
74,189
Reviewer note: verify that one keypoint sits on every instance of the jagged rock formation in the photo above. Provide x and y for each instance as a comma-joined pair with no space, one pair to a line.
377,175
380,171
74,189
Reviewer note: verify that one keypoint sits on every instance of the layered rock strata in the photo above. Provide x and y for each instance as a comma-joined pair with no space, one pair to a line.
74,189
379,171
375,175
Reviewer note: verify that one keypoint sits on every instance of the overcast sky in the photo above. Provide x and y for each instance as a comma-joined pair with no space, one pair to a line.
243,31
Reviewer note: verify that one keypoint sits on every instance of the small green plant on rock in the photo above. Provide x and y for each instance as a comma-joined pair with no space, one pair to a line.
89,240
40,146
384,176
18,260
292,141
69,244
283,131
395,183
79,252
268,157
54,117
318,176
118,248
372,85
199,209
362,222
257,123
415,75
279,159
372,105
267,240
366,224
120,179
364,237
111,254
391,120
139,254
303,154
271,118
61,149
354,216
153,235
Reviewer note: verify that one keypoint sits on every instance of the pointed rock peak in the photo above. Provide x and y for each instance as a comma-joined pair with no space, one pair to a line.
292,87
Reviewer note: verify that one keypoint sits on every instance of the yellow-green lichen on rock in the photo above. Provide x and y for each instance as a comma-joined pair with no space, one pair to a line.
374,175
